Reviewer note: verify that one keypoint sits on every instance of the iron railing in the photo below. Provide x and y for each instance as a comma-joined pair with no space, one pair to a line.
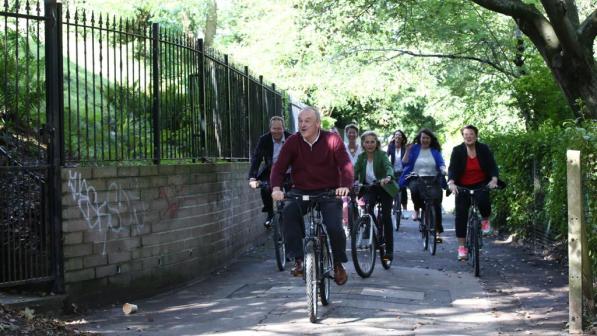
135,92
27,249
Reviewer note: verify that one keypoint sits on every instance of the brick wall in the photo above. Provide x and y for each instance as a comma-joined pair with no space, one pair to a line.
133,230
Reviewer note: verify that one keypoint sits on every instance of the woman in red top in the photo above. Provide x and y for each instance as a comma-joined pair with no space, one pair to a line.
472,165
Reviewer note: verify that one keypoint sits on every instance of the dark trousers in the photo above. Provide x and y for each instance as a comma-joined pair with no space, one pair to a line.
419,203
403,193
373,196
266,195
331,211
268,202
463,203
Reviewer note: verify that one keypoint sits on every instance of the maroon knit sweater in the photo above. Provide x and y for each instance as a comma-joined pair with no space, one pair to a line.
326,165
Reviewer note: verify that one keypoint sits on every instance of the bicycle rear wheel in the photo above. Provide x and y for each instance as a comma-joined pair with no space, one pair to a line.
311,281
279,244
362,246
430,226
326,266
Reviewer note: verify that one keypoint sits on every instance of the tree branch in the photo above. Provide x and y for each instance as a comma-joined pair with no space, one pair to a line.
588,29
448,56
530,21
513,8
560,18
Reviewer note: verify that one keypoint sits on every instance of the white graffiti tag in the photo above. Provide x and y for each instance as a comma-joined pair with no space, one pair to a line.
116,213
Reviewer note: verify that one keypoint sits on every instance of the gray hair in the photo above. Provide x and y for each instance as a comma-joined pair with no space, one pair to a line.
274,118
314,110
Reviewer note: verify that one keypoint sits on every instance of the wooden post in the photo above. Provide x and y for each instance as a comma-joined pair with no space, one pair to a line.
579,268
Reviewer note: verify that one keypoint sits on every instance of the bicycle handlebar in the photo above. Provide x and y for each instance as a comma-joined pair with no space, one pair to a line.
324,195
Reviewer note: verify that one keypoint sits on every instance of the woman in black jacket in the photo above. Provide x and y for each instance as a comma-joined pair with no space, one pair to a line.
472,165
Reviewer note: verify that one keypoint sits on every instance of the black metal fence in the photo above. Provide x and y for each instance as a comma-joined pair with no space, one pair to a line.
135,92
27,249
78,87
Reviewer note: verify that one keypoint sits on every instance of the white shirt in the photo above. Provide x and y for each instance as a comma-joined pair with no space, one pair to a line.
353,158
425,164
397,161
277,147
369,173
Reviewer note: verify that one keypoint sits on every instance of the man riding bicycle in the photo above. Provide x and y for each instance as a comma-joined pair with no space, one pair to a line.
267,151
319,162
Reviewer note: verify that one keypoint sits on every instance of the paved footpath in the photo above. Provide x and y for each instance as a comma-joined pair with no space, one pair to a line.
517,294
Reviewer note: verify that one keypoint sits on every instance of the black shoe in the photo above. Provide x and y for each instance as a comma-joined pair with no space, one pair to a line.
268,222
297,269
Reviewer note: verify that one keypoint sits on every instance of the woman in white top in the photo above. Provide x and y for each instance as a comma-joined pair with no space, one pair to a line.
424,158
353,147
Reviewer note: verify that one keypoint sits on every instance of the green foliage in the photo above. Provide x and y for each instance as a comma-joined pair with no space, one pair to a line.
543,199
22,73
537,95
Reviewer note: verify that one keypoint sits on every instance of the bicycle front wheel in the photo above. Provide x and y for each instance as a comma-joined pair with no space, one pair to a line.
279,244
397,211
362,245
475,245
424,231
311,281
430,225
326,266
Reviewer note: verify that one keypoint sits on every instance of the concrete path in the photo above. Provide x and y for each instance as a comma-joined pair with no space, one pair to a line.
419,295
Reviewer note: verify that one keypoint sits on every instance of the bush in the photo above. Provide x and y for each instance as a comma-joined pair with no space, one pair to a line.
542,197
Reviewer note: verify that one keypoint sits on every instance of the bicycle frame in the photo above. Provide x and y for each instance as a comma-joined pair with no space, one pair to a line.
474,238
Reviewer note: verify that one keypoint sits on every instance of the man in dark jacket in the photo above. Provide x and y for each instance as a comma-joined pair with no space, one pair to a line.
267,151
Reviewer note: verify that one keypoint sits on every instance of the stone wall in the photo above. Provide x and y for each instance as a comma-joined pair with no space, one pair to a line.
133,230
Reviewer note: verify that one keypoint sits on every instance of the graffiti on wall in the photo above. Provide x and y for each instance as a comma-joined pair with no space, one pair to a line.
117,211
173,202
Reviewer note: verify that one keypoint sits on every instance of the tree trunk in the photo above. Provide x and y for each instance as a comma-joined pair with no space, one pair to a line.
578,80
211,24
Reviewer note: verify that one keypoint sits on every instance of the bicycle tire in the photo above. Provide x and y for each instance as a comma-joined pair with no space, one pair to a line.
279,244
424,232
311,281
325,267
397,211
475,247
430,225
363,250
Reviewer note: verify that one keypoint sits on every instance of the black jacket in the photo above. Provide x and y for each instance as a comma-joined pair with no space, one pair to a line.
459,157
392,152
264,152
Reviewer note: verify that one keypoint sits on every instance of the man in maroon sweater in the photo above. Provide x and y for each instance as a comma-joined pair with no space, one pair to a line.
319,162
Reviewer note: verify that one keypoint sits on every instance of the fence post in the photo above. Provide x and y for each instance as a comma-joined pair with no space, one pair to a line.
202,113
275,100
263,100
155,41
55,128
580,282
247,104
228,105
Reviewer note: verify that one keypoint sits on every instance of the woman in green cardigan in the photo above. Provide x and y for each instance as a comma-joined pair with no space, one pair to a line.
372,166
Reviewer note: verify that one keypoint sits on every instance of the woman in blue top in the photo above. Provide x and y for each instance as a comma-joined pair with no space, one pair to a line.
424,158
373,166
